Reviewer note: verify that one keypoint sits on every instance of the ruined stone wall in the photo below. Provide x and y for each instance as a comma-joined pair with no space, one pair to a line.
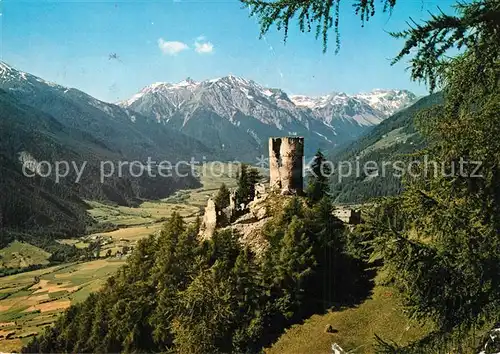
348,216
286,164
209,221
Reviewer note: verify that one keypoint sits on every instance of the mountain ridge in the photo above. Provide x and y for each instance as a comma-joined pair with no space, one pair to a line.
44,121
258,112
393,140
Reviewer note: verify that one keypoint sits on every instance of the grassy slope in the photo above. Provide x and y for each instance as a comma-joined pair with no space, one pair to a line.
20,254
396,136
356,327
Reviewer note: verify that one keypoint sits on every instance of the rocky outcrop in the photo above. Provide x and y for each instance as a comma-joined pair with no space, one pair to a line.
250,233
259,208
286,175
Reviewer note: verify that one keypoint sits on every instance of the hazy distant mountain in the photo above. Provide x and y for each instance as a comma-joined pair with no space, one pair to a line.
365,108
237,115
387,101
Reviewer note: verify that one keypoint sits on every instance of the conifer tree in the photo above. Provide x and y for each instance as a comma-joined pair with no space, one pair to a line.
440,238
172,272
295,265
312,15
439,241
319,179
328,237
247,179
166,262
249,295
205,314
221,201
222,198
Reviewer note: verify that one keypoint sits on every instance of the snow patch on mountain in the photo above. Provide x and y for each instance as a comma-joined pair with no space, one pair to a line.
387,101
8,74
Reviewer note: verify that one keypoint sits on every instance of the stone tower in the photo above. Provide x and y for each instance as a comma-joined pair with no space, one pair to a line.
286,164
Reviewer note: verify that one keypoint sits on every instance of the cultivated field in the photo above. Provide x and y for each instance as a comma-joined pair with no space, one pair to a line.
20,254
212,175
147,218
31,301
189,203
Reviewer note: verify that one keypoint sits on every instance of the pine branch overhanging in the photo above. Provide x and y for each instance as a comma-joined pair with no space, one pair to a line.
320,15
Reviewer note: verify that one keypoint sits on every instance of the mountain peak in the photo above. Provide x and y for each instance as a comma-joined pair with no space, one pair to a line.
231,94
388,101
162,85
235,80
22,80
241,113
187,82
155,85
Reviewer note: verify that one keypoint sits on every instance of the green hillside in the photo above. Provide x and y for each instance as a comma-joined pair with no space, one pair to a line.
21,255
390,141
354,329
38,210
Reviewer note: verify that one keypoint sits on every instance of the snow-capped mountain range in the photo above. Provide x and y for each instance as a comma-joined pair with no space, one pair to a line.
233,117
385,102
234,113
112,127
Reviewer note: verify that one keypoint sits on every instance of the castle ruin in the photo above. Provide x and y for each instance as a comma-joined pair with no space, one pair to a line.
286,164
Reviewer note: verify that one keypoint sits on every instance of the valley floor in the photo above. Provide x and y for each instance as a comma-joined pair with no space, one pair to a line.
30,301
33,300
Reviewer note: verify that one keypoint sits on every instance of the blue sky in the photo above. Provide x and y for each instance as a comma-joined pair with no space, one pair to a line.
69,42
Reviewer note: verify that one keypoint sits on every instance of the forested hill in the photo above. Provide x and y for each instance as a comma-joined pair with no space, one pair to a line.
390,141
178,294
36,206
45,122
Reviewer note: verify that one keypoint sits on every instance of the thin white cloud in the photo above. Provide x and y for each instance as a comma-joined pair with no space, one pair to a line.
171,47
202,46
